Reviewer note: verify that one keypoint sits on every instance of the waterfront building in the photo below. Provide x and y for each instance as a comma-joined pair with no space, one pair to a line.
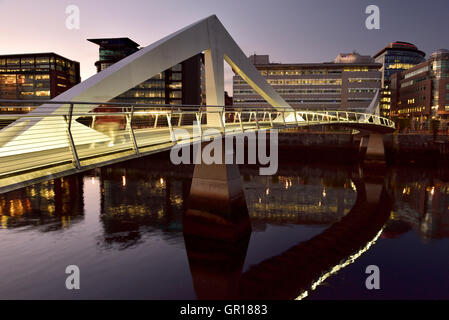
181,84
36,76
398,56
421,93
350,82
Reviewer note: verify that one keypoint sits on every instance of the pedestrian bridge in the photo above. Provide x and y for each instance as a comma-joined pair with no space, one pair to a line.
81,129
119,132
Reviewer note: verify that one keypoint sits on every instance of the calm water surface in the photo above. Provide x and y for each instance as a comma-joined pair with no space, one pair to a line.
123,226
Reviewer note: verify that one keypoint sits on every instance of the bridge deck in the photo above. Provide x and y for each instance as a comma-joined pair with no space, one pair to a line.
52,147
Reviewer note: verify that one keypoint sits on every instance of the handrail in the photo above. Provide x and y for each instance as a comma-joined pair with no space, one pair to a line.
376,119
164,109
74,138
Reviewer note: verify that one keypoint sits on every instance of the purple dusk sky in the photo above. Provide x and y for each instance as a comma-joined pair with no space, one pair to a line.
287,30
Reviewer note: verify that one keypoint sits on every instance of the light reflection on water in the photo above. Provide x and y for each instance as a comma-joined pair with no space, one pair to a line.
123,228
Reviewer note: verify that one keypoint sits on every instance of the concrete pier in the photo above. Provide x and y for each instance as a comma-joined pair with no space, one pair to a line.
375,149
217,229
217,207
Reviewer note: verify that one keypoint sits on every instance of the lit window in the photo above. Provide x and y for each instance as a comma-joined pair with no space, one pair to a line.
43,93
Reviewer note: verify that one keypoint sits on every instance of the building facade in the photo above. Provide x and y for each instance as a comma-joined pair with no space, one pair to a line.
350,82
396,57
180,84
36,76
421,93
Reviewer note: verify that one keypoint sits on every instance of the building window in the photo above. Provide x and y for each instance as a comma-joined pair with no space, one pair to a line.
362,90
414,73
177,67
355,69
176,76
360,80
403,66
42,60
276,73
175,95
175,85
306,82
13,61
42,76
60,62
43,93
27,61
104,66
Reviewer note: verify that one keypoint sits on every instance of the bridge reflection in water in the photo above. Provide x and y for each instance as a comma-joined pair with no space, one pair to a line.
148,198
216,262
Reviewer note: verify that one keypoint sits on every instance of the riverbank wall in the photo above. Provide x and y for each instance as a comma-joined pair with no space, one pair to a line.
340,147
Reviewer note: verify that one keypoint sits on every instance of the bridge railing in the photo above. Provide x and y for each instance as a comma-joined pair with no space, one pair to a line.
85,133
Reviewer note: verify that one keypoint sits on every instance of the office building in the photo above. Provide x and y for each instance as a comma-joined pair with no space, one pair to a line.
421,93
350,82
396,57
180,84
36,76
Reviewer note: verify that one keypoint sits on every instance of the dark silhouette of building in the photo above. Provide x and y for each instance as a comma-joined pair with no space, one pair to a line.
228,99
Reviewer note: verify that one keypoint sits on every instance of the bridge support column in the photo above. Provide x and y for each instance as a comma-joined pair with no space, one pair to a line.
217,207
216,229
375,150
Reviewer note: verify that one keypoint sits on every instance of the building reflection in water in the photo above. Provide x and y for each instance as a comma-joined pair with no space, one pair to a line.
422,205
54,205
135,201
309,196
154,197
151,196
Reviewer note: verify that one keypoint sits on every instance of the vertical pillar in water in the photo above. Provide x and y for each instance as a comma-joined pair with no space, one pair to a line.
375,150
216,205
217,230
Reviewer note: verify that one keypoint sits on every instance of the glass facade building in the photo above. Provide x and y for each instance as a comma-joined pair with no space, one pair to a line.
36,76
396,57
180,84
